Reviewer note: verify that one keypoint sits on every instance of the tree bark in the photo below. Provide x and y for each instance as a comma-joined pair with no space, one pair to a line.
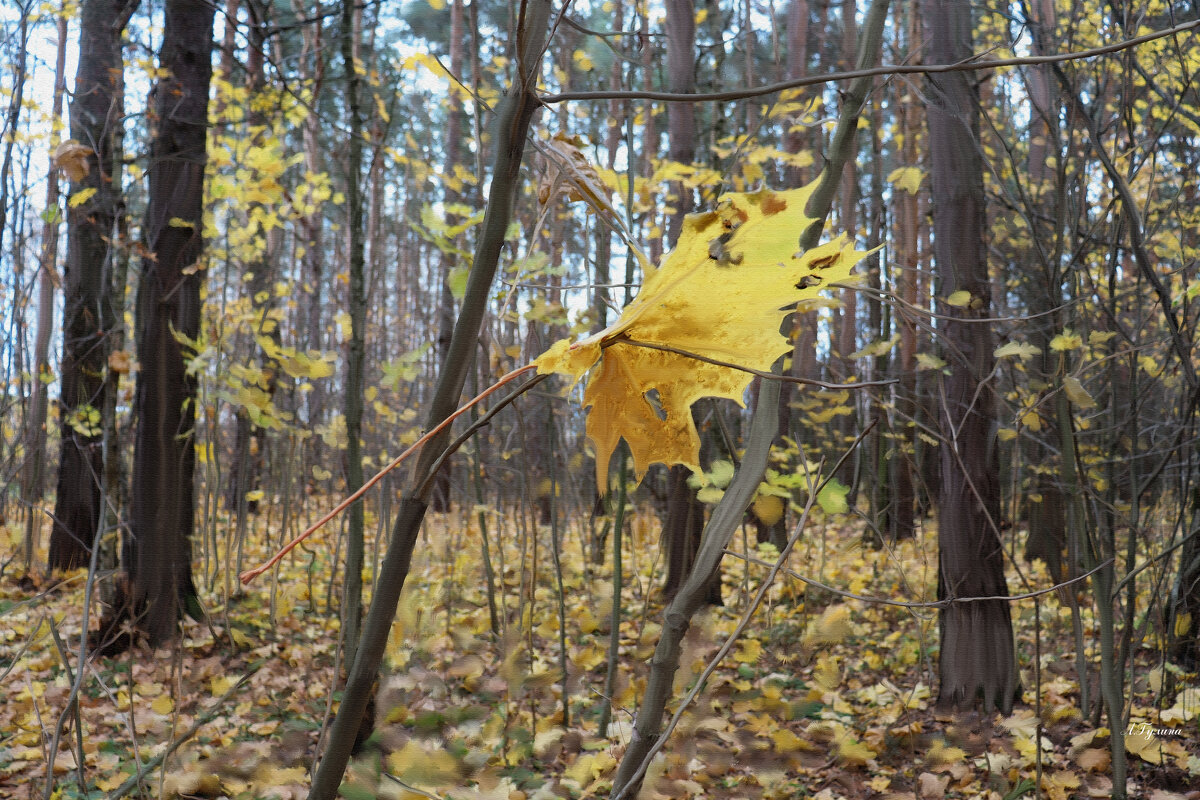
157,555
95,123
356,347
977,660
33,483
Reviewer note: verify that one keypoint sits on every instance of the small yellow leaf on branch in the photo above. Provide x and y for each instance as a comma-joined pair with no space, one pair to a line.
1022,350
81,197
1077,394
959,299
1066,341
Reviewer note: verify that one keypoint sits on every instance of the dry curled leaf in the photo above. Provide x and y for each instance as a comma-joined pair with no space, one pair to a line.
568,172
72,158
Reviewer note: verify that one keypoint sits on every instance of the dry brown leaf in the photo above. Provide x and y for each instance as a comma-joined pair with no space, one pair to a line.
568,172
72,158
1094,759
932,787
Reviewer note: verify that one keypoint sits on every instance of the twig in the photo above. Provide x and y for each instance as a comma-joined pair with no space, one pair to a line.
408,787
249,575
201,720
479,423
966,65
771,376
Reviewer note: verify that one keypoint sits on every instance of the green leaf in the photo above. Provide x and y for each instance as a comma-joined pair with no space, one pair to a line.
721,473
352,791
458,282
832,498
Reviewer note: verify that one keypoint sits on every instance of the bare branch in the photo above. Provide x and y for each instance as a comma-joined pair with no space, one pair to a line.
967,65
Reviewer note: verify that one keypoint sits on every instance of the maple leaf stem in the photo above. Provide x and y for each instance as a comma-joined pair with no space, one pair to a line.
771,376
249,575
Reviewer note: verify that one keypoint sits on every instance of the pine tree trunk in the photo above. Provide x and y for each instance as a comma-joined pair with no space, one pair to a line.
977,661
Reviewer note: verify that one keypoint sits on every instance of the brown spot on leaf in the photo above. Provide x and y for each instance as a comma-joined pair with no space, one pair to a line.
773,205
825,262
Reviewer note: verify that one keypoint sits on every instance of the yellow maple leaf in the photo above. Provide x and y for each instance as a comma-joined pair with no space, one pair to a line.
722,293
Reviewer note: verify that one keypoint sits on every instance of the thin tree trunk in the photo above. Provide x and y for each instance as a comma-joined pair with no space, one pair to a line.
353,403
312,75
13,118
901,520
513,118
33,480
251,443
763,428
439,500
684,521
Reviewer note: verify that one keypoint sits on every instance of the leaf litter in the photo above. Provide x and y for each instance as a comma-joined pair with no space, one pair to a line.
825,697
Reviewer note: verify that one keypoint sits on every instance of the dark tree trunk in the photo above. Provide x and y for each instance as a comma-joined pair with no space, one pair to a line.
1185,596
157,555
683,527
356,346
977,660
685,514
90,229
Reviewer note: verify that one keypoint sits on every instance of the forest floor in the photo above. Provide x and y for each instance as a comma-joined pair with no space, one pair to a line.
823,697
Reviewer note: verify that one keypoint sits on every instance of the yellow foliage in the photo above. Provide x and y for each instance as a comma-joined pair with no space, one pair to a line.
722,294
768,508
749,651
830,628
826,674
853,753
